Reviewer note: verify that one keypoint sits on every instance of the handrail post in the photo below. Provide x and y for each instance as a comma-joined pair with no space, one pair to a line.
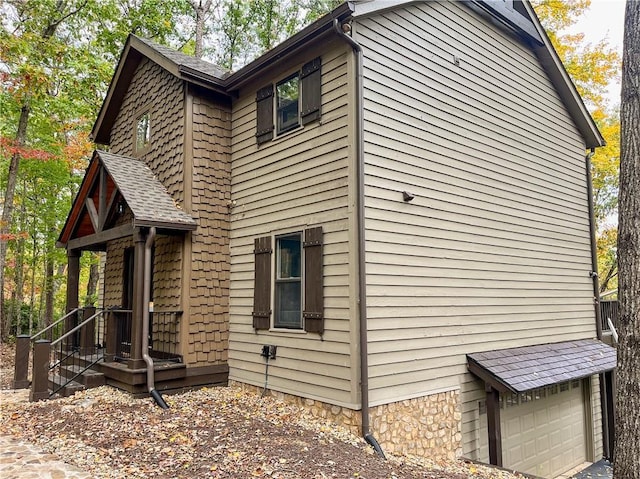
21,369
40,384
88,332
111,336
73,280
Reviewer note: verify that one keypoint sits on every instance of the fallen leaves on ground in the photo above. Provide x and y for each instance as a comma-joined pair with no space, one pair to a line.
210,433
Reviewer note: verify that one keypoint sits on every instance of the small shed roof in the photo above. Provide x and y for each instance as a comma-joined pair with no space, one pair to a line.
149,201
530,367
112,178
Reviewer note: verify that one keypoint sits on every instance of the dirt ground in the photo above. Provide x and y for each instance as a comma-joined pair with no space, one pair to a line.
211,433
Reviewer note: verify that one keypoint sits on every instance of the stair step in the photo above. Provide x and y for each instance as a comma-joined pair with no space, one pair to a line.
89,378
55,381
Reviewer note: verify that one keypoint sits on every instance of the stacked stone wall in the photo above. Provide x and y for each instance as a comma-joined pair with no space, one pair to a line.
428,426
425,426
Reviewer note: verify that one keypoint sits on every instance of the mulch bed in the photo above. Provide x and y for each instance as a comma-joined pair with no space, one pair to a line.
210,433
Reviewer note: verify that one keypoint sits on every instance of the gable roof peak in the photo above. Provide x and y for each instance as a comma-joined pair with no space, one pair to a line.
182,61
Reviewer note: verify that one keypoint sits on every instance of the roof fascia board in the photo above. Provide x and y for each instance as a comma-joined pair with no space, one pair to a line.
155,56
88,181
289,47
509,17
369,7
148,223
126,66
566,89
201,79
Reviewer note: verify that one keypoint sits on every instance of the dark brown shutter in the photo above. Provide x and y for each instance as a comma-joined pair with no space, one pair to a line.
313,281
311,98
264,107
262,283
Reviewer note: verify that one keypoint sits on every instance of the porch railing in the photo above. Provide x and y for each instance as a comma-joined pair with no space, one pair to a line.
609,310
78,350
24,345
164,334
57,362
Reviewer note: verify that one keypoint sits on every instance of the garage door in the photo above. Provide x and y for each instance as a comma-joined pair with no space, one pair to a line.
543,431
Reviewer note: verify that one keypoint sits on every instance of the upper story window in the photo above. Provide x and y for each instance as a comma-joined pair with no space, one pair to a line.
143,132
287,111
295,102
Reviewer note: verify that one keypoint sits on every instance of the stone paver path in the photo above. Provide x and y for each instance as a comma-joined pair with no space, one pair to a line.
22,460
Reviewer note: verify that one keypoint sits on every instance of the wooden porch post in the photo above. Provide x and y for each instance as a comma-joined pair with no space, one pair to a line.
40,384
136,361
88,332
23,345
73,282
493,426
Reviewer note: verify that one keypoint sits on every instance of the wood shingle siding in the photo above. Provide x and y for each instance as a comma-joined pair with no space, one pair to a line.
155,90
208,289
300,180
494,250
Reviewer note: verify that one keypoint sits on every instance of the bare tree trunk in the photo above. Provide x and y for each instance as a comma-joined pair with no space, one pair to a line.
32,300
201,14
21,135
627,448
7,212
92,283
49,291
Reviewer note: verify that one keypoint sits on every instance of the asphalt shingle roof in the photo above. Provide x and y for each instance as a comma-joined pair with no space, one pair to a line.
529,367
149,201
188,61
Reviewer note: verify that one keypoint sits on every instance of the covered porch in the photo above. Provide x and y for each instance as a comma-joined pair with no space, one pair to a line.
122,203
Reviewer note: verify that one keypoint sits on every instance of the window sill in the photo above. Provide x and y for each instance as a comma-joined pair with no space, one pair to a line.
287,133
287,330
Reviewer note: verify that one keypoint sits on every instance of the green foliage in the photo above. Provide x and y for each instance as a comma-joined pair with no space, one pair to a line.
57,59
592,68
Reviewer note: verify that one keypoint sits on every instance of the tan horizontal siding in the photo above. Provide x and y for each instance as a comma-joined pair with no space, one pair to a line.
494,250
301,179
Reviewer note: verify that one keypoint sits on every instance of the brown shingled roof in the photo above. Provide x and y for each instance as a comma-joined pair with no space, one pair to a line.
149,201
529,367
129,180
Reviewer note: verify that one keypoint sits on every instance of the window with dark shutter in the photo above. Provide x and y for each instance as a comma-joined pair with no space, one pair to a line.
313,281
262,283
264,107
310,79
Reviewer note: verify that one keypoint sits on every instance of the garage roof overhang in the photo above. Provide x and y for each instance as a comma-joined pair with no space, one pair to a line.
529,367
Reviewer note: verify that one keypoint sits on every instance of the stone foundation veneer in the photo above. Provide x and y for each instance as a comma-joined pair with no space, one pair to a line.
428,426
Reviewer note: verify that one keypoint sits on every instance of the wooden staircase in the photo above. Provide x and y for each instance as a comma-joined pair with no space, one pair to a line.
65,356
76,376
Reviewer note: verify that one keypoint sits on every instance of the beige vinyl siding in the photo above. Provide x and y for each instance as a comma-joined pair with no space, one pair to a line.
494,250
301,179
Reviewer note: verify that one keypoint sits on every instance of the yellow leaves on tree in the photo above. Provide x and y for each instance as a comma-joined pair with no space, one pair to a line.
77,150
592,67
